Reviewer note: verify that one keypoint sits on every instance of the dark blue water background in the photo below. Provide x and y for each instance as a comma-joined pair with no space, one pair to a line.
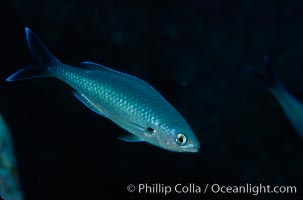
194,53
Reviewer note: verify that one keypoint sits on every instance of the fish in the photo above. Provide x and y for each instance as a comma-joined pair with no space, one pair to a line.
9,179
128,101
292,107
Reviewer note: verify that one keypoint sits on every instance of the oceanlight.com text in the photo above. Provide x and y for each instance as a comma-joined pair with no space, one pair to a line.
193,188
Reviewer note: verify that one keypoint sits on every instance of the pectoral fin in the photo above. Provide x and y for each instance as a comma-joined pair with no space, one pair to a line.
130,138
90,104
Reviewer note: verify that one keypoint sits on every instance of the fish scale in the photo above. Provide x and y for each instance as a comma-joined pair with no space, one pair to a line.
128,101
107,90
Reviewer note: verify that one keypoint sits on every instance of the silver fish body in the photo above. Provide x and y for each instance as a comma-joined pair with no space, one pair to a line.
126,100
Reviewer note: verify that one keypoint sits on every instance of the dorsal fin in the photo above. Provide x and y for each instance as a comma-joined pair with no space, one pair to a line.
94,66
97,67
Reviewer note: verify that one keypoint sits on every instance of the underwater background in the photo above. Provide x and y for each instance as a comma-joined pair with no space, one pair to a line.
194,53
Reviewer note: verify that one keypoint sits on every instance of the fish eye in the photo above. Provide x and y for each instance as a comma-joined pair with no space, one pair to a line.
181,139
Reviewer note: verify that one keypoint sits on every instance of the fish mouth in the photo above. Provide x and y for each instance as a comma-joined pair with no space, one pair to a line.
190,148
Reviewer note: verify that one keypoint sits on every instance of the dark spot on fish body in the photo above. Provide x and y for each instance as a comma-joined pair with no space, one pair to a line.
150,129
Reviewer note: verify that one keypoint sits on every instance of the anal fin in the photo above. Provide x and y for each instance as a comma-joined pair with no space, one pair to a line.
130,138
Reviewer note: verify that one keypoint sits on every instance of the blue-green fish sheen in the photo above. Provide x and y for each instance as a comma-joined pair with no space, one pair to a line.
126,100
292,107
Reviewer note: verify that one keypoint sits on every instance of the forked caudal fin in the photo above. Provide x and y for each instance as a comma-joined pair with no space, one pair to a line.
43,57
269,78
